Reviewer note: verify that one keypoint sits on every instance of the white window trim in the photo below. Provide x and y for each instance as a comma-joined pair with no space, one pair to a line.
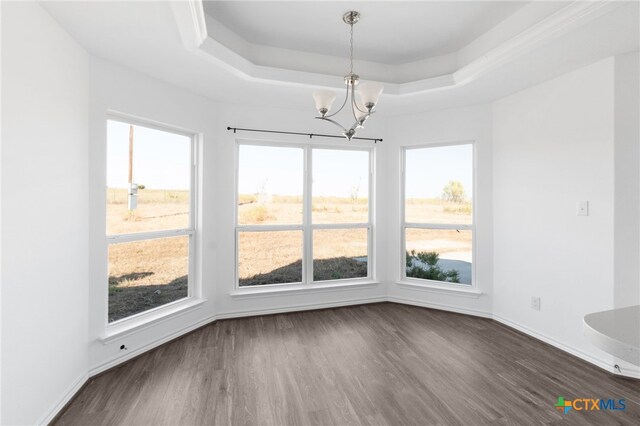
433,285
307,227
194,288
148,318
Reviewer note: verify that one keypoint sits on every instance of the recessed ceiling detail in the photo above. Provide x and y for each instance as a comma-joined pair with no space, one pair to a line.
401,33
257,39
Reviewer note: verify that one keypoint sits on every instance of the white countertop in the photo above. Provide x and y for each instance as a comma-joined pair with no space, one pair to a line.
616,331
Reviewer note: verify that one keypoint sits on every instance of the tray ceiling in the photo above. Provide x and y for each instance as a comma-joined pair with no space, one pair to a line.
170,41
388,32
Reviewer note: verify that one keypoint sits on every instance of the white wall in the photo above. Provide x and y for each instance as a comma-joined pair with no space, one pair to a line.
118,89
0,213
554,146
462,124
45,80
627,181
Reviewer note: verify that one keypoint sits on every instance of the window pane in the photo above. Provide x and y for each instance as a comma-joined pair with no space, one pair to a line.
161,169
270,185
147,274
340,186
269,257
339,254
439,254
439,184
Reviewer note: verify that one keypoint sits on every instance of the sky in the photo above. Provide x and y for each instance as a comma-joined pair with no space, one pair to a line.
338,173
428,170
279,171
161,160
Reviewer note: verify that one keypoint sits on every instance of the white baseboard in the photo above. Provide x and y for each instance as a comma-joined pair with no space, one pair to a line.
97,369
605,365
71,391
298,308
441,307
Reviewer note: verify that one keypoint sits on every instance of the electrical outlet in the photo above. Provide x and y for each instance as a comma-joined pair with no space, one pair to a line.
535,303
582,208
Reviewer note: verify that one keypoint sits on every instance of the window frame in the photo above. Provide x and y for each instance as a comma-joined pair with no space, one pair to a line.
404,225
307,226
194,291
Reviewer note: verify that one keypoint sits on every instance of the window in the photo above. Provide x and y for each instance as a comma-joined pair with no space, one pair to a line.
303,214
149,217
438,218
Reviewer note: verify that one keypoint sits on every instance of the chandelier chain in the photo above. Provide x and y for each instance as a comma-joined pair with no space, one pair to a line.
351,50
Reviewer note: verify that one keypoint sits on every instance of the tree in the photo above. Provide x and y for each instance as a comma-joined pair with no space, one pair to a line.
425,265
454,192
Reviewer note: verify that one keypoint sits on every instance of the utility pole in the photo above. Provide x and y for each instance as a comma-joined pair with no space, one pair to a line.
133,188
130,155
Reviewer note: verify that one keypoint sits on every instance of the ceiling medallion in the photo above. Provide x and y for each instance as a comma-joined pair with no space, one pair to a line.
362,101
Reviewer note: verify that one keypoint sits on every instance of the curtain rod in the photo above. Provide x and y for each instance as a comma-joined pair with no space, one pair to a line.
238,129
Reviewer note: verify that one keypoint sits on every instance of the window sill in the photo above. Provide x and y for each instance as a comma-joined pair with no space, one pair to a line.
147,319
430,286
301,288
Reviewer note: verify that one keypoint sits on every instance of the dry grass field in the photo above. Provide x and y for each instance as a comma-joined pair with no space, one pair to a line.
157,210
287,210
446,242
150,273
435,210
147,274
276,256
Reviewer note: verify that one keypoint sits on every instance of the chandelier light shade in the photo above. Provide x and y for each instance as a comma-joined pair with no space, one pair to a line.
368,93
324,100
361,100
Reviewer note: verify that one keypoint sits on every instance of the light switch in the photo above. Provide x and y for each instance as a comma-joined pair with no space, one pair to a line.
582,208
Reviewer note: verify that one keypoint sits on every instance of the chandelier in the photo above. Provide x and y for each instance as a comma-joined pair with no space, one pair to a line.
361,101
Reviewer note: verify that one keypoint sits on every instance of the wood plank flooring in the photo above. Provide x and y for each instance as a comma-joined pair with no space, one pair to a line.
380,364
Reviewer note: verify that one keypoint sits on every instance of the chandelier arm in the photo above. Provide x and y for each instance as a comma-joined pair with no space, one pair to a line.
355,126
364,111
339,109
360,123
353,104
332,121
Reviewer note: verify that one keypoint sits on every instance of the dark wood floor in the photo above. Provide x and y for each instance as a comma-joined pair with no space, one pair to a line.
381,364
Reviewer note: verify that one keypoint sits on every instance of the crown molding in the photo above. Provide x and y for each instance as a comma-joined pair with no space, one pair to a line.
190,19
556,25
192,26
